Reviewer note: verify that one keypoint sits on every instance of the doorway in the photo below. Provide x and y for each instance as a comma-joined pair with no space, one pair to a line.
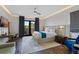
29,27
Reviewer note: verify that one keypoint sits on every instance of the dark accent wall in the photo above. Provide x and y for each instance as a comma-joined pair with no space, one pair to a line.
36,24
21,26
74,21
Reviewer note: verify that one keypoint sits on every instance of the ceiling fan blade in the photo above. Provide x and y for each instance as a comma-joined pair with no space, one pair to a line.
35,11
39,13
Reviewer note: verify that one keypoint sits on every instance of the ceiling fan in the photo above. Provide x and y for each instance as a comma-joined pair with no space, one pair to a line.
36,11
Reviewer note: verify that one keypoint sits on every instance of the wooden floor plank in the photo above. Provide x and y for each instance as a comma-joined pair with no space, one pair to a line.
54,50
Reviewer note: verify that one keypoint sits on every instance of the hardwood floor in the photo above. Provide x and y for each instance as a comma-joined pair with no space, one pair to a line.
54,50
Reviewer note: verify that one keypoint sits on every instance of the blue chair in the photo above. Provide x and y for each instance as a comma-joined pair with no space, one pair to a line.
70,44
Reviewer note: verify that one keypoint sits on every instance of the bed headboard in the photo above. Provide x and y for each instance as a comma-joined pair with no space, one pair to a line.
55,30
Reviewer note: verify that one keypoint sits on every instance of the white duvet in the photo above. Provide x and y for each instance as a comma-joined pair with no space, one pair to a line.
37,35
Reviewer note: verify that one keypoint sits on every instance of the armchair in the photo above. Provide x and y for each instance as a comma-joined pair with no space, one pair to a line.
70,44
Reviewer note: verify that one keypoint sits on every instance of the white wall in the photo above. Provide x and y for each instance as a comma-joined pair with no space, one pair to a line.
62,18
14,26
14,22
41,24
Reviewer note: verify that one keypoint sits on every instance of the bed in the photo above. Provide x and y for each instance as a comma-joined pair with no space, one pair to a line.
44,36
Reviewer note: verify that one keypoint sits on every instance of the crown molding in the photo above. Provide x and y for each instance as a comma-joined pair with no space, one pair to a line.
57,12
31,17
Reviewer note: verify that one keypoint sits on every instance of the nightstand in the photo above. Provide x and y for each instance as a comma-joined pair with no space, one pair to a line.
60,39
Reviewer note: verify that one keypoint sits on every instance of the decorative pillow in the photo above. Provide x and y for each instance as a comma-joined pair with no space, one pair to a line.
74,35
77,40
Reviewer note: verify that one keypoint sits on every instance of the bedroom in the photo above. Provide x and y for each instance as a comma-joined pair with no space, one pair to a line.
33,27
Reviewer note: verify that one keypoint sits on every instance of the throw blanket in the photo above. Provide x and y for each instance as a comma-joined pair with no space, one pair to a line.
43,35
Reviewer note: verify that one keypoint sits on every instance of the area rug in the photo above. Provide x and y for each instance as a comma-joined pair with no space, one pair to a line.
29,45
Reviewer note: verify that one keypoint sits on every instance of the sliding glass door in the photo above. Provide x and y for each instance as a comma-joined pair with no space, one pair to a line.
29,27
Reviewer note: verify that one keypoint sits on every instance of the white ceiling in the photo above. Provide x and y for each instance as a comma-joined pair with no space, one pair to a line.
28,10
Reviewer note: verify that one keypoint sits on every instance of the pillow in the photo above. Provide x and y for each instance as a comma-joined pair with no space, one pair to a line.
48,29
77,40
74,35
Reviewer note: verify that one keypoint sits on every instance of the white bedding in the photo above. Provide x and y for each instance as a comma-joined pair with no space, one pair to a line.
37,35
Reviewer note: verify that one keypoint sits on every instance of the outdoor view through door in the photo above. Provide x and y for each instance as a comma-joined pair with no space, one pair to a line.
29,27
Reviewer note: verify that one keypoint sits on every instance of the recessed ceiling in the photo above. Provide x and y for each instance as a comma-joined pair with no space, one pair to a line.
28,10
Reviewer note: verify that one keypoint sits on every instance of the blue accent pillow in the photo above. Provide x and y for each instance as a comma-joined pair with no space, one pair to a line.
77,40
43,34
